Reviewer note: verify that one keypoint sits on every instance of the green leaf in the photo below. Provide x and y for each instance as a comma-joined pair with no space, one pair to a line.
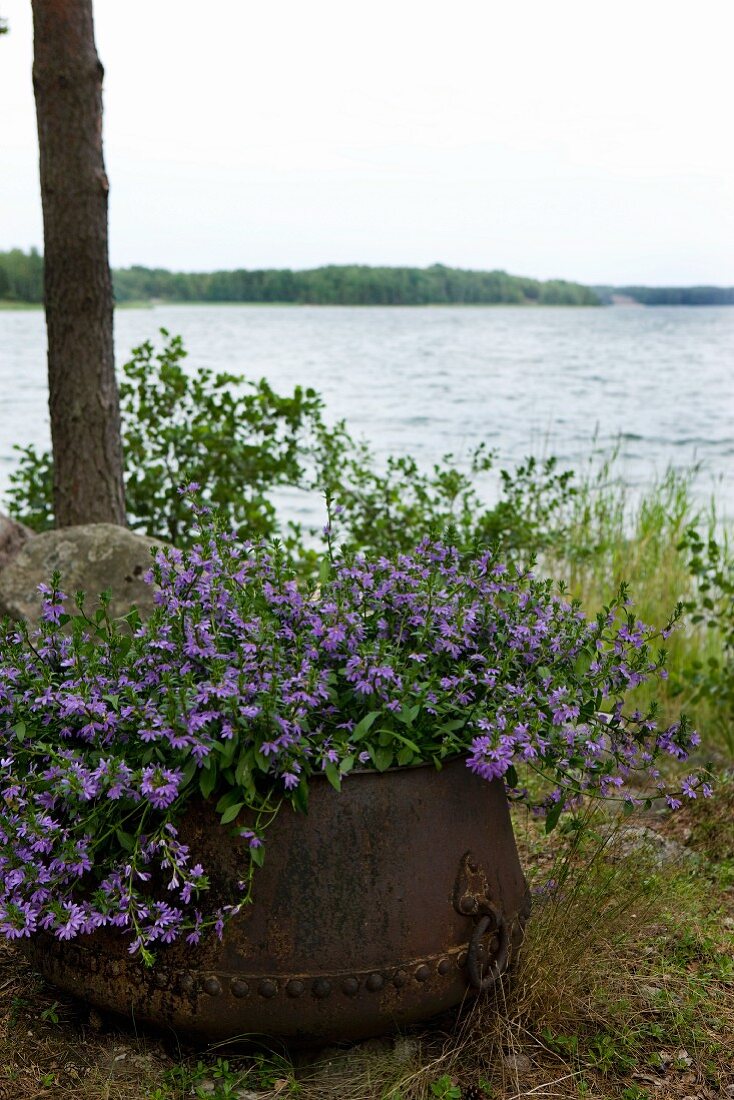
19,729
553,816
242,771
207,781
381,757
364,725
228,799
299,797
257,855
324,570
332,774
511,776
188,773
583,663
405,741
125,840
231,812
408,714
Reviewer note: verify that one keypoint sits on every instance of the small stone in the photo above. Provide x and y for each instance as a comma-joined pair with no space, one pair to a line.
406,1050
650,992
517,1064
12,537
96,1023
630,840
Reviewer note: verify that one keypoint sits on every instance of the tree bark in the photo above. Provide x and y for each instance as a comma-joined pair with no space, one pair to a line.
83,397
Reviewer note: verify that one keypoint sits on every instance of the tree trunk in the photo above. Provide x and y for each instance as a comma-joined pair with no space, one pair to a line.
83,397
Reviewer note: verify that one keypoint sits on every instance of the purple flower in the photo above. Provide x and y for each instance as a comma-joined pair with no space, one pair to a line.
160,785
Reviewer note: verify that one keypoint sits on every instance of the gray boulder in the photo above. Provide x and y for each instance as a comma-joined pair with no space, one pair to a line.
12,537
626,841
93,558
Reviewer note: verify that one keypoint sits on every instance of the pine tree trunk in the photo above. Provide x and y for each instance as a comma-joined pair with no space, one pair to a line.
83,397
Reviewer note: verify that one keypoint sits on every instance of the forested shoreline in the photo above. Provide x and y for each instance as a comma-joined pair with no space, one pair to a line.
21,282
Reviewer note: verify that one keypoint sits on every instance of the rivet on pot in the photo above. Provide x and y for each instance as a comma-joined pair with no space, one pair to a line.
444,966
375,982
350,986
468,904
186,983
267,988
294,988
239,988
423,973
212,987
321,988
399,979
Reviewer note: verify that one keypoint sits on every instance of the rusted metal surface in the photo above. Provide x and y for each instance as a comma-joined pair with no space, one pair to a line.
389,903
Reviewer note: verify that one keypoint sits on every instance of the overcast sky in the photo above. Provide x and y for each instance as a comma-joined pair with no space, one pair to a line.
574,138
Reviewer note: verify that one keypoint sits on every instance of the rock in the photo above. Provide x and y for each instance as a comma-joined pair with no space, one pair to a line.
406,1050
12,537
93,557
629,840
519,1065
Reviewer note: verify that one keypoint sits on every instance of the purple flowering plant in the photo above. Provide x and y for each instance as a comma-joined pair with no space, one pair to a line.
246,684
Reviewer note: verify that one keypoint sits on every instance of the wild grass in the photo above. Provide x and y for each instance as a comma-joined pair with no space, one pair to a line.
613,534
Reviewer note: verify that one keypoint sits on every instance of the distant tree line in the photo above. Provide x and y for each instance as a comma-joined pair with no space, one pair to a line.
21,276
668,295
350,285
21,280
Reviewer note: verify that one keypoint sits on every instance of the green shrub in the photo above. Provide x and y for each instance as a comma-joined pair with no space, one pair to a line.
240,440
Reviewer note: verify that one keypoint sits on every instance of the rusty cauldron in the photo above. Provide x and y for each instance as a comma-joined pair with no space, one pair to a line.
386,904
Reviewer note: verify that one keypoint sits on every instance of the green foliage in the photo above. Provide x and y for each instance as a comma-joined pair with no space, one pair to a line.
30,496
240,440
21,275
445,1088
225,1080
390,510
711,605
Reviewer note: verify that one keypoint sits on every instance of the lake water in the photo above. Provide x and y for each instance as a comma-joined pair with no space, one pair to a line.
427,381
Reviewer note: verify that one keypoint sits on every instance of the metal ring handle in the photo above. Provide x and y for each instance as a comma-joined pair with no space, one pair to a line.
483,984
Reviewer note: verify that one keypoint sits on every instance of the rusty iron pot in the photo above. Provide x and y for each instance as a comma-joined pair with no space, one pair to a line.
386,904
